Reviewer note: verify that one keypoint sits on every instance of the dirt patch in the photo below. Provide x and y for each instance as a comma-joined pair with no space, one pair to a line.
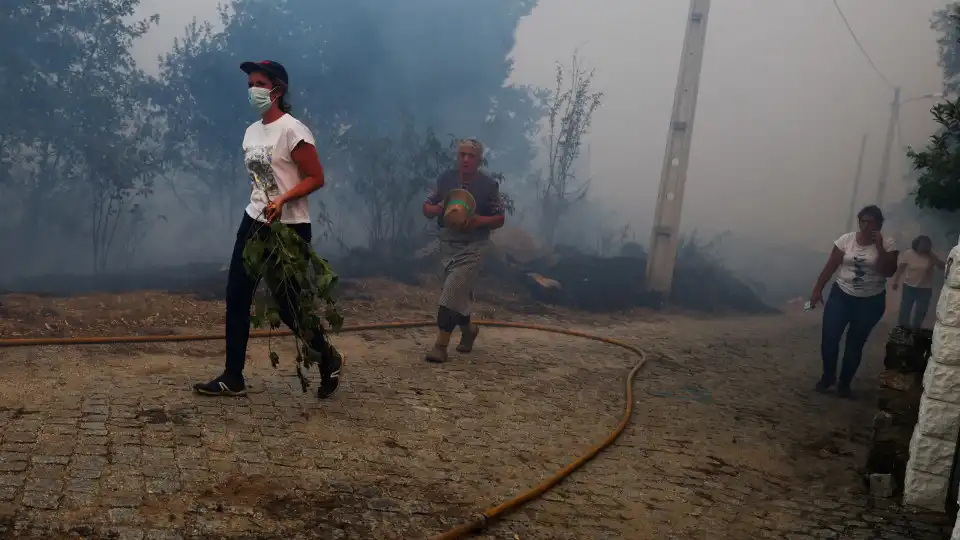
239,490
142,313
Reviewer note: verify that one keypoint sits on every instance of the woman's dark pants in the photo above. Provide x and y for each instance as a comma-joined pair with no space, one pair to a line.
857,316
917,300
240,290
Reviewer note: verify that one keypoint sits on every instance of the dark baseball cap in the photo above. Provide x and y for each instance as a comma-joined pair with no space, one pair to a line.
274,70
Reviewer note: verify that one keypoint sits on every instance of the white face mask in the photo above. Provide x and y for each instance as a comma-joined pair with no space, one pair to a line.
259,99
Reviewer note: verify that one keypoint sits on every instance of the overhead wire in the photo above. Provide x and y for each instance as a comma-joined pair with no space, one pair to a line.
856,40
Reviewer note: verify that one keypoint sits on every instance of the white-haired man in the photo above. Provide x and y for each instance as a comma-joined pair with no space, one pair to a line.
462,250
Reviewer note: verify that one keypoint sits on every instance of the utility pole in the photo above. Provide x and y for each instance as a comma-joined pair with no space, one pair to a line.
666,225
856,185
888,146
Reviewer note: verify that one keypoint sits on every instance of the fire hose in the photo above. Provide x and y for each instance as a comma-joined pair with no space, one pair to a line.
482,520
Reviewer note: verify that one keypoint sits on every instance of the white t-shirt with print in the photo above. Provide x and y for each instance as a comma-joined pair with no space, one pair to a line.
858,275
266,154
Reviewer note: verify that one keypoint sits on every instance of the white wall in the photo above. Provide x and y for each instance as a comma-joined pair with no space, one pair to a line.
934,441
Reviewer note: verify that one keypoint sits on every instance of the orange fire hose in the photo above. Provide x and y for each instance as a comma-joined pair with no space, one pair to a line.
488,515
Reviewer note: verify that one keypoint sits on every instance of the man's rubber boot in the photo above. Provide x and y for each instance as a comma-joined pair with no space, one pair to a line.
467,337
437,355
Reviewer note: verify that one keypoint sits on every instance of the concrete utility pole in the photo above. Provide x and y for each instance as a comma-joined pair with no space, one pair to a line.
666,225
891,128
856,186
888,146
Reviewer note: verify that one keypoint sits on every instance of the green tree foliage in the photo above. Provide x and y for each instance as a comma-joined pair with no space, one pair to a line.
92,133
207,120
938,164
80,143
363,65
945,23
390,176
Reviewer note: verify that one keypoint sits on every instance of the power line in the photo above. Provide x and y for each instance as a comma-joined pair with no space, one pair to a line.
860,45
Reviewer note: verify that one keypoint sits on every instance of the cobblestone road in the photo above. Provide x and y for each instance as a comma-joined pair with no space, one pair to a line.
727,441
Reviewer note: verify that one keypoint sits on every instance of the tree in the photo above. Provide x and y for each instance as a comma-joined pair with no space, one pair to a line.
946,22
206,123
938,164
93,133
81,148
390,176
120,171
570,109
365,66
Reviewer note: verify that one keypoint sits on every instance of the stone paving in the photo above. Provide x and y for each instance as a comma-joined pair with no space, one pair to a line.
727,441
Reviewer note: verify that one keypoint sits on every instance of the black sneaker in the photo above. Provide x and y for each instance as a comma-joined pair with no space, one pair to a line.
330,373
823,386
844,392
224,385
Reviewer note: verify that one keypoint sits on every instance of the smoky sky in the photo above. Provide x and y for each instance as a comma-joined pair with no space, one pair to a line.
785,96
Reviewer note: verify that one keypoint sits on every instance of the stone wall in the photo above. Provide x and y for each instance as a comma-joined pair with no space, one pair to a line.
934,441
898,401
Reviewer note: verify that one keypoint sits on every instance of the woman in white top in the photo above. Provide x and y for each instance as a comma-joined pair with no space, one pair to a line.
916,270
857,300
280,155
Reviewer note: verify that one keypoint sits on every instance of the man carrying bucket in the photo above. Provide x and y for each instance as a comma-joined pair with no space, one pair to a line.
467,205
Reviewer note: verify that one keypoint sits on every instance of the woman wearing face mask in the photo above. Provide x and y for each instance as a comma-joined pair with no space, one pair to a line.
281,159
858,298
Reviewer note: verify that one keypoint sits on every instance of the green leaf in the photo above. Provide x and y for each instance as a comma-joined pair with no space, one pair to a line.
259,310
334,318
280,257
325,282
273,317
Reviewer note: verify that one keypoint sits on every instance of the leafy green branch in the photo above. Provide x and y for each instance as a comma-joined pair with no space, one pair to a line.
289,265
938,164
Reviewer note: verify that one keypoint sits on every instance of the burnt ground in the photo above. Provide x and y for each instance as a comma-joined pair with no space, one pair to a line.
727,440
588,283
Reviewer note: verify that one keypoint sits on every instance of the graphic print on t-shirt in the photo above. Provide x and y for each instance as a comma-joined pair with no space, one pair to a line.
859,274
258,160
859,270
